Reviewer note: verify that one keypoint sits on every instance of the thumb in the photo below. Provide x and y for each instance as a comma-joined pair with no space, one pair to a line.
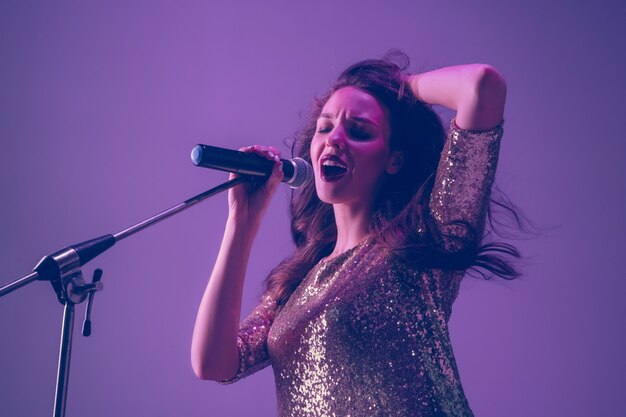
277,173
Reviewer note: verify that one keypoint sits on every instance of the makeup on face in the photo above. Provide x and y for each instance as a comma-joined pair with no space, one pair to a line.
350,148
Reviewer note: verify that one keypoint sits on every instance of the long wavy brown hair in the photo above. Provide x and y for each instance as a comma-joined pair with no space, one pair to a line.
401,220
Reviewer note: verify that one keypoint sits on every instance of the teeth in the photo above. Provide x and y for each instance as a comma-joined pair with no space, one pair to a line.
333,169
331,163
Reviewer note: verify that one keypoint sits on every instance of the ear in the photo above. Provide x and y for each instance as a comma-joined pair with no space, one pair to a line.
396,159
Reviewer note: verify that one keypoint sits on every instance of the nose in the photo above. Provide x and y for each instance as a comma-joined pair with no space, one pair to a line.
336,138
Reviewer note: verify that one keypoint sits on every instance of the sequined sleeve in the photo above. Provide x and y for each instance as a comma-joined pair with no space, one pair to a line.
252,339
463,183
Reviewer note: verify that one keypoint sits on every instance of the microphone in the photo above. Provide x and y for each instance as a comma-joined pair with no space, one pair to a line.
298,172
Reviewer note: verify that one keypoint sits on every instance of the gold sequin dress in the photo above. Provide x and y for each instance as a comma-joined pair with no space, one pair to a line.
366,335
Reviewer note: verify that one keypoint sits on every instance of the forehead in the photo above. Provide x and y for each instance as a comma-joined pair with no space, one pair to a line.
354,103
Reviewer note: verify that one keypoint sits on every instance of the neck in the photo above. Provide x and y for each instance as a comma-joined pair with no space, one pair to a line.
353,226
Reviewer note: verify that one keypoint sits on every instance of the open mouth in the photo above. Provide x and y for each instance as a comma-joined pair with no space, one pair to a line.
332,168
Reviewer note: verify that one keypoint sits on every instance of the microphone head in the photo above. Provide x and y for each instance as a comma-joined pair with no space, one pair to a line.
302,173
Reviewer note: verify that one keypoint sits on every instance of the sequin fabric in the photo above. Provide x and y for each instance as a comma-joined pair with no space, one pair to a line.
367,335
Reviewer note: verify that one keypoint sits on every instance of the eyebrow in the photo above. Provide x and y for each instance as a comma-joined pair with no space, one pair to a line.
357,118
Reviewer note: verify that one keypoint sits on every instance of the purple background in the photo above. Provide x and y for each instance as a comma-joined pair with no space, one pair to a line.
101,103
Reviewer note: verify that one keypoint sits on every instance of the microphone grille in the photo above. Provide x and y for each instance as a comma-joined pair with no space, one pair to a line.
302,173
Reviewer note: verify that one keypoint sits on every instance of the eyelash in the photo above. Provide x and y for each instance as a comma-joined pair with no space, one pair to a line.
355,133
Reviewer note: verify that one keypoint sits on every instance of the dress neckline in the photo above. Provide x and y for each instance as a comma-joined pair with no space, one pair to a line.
344,254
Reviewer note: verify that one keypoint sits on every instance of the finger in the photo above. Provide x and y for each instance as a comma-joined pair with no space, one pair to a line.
274,151
277,172
266,151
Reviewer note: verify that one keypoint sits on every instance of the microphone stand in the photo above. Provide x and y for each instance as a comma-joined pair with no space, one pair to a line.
62,269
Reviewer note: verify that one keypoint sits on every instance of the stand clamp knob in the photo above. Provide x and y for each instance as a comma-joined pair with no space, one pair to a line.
95,285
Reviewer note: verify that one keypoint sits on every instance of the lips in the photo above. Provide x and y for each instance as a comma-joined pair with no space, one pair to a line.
332,168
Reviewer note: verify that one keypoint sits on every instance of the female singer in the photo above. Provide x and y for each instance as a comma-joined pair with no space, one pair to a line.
355,321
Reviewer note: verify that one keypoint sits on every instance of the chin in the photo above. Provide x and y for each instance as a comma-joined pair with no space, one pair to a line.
329,198
328,192
334,193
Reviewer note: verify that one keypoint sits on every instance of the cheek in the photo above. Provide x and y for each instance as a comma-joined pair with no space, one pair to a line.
315,150
375,153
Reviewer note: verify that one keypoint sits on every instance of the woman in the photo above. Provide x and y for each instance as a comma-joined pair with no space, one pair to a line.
355,321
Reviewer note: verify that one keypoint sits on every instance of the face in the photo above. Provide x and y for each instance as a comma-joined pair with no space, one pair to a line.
350,149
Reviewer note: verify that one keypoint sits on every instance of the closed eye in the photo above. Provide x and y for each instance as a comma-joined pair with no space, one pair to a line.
324,126
356,131
360,134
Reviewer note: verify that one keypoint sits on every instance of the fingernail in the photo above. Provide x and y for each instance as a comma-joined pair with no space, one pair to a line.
271,154
276,158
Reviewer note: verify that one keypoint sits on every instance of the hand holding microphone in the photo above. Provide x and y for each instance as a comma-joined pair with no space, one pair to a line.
248,202
297,172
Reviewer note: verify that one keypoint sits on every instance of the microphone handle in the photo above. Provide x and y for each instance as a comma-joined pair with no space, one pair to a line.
236,161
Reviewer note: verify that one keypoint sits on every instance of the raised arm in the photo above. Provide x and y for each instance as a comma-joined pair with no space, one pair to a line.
467,166
477,92
216,346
